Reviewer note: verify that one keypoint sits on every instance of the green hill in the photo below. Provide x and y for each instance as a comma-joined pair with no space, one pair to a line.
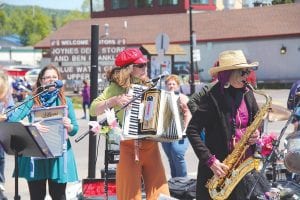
33,23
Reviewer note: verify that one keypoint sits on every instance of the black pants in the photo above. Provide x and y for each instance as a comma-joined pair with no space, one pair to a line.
37,190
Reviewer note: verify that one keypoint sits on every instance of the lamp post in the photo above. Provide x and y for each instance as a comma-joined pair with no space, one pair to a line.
192,36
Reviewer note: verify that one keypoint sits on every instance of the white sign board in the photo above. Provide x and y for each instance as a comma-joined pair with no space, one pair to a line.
196,55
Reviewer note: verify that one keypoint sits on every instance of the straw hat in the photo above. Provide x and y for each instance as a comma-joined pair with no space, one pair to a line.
232,59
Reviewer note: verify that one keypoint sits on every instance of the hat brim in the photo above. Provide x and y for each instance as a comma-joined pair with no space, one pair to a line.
215,70
140,60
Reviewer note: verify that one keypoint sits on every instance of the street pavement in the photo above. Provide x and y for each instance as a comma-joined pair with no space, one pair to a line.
81,154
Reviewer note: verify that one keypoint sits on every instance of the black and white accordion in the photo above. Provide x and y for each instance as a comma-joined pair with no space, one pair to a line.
52,117
154,115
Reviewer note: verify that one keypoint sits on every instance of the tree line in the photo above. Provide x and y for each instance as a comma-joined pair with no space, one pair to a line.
33,23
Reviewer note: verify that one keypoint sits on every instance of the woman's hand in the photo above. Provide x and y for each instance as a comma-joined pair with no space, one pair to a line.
219,169
254,137
2,117
123,99
67,123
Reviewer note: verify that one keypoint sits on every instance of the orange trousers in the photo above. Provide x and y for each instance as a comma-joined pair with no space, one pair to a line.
149,167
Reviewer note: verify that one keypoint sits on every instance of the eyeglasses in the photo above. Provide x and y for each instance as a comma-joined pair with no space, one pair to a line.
245,72
140,65
49,77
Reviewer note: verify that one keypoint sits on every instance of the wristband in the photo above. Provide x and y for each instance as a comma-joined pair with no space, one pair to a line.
211,160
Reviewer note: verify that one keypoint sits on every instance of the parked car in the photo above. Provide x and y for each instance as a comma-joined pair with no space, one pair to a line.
182,69
16,71
32,75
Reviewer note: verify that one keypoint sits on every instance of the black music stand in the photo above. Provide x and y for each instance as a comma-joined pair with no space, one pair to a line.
17,140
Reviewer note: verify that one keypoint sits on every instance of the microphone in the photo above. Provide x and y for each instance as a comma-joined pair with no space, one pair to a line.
57,84
94,127
22,87
163,75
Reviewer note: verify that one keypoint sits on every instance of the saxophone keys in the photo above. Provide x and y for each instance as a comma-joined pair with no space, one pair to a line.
228,181
222,192
213,193
234,173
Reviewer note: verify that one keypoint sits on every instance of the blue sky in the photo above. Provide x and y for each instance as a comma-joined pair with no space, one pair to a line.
55,4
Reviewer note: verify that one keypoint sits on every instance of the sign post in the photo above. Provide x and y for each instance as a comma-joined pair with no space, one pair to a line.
162,43
93,91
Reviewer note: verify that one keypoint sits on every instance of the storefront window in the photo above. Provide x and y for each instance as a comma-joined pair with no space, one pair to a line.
98,5
168,2
200,2
143,3
118,4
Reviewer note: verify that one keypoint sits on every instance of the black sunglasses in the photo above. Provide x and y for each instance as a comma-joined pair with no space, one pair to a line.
245,72
140,65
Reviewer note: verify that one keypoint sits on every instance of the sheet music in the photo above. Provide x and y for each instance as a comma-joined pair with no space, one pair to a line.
52,117
55,138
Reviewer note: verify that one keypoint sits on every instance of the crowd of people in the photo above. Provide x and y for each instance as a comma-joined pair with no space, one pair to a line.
214,120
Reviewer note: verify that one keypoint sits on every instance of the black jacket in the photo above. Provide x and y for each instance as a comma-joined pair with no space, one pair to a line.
212,113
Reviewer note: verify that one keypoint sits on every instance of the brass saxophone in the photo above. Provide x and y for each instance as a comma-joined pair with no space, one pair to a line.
221,188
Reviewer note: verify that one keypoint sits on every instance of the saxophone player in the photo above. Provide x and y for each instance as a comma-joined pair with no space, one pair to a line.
225,111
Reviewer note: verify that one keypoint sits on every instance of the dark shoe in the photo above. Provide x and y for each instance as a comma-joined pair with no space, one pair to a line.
2,196
83,117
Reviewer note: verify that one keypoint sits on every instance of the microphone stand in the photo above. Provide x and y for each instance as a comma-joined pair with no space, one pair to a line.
273,155
104,122
22,103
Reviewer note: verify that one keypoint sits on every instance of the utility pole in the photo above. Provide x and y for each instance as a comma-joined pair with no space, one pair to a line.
94,94
192,79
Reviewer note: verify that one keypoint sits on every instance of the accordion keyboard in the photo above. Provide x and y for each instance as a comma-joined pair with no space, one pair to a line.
132,113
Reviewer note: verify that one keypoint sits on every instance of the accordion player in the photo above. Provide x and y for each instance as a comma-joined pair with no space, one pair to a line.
153,115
